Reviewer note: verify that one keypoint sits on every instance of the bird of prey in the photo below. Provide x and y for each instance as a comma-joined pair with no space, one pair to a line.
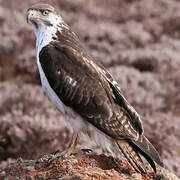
87,95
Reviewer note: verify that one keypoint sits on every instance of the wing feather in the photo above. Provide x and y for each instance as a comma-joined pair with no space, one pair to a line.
93,96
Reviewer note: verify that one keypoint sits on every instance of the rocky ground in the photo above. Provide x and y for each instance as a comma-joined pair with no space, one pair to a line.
136,40
80,166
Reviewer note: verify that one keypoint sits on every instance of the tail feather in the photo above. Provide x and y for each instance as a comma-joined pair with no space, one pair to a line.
147,150
132,156
132,149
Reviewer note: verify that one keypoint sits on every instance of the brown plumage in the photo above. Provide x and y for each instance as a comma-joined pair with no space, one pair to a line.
87,89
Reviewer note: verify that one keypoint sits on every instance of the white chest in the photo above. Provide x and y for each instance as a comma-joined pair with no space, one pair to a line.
49,91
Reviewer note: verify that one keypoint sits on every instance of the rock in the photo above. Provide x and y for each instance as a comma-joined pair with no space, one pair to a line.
79,166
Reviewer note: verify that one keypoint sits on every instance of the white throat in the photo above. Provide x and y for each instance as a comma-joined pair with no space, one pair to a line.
44,35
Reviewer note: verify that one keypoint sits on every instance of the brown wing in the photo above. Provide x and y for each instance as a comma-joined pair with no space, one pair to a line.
80,85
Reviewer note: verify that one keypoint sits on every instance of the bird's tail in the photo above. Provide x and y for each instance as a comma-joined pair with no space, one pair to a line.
132,155
132,149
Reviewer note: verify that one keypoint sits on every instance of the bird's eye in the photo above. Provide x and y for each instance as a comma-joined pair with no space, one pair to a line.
45,12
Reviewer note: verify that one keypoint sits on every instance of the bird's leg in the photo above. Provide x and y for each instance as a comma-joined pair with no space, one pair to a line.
68,151
72,145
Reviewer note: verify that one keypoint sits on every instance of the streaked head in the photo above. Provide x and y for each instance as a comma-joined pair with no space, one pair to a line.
43,15
46,22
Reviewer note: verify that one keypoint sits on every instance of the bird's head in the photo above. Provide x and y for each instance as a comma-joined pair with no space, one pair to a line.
43,15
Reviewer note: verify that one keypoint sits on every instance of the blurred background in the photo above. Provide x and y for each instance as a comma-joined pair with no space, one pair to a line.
137,41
